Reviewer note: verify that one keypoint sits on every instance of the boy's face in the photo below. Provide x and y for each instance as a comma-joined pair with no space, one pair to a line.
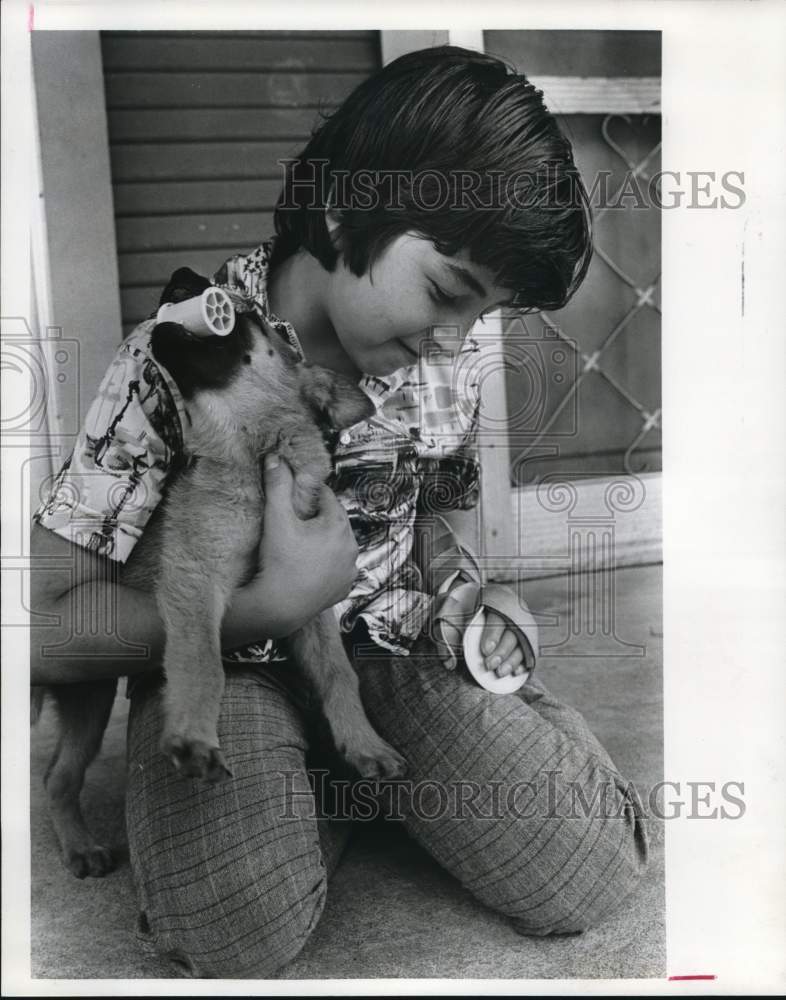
382,318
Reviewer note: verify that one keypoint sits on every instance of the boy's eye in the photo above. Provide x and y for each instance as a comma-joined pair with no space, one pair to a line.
440,296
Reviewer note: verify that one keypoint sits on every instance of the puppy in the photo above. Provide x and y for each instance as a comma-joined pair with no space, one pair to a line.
245,395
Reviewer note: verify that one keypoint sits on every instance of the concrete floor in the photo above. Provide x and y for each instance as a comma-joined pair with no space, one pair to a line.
391,911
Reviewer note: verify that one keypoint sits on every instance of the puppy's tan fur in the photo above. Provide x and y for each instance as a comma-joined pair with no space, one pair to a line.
200,545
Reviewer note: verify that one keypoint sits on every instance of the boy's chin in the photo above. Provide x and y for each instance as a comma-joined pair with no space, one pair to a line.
386,365
382,369
379,362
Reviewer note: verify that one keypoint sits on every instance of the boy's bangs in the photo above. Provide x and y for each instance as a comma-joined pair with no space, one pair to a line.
541,252
453,145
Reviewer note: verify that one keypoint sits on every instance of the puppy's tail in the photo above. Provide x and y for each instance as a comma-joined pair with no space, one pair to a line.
37,695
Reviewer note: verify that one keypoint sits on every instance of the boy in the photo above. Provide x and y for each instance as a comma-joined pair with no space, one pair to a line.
440,190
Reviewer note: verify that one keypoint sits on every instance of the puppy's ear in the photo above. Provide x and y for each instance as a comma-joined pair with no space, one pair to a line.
184,284
335,399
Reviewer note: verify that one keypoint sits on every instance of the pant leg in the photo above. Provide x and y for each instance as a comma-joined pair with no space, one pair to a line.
499,786
231,877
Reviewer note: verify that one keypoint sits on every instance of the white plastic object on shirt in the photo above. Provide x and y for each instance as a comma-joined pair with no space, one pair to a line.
207,315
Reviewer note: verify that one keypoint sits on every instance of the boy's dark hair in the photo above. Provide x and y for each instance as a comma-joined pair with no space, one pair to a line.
451,144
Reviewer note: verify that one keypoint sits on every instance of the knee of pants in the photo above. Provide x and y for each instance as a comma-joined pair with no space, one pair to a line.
231,884
591,893
253,936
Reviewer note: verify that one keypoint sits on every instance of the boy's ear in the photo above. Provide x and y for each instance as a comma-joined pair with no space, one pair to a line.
333,219
335,399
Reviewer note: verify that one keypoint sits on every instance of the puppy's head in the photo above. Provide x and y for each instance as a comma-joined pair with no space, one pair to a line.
334,400
212,363
206,363
251,377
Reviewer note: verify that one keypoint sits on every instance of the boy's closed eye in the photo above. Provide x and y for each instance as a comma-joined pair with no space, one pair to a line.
446,301
440,296
473,296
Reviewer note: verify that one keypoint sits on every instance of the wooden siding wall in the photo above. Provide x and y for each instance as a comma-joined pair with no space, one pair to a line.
197,122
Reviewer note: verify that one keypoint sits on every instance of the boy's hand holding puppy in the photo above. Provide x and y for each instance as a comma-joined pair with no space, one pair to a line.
305,566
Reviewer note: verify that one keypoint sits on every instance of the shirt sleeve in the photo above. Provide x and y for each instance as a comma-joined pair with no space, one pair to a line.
108,488
243,278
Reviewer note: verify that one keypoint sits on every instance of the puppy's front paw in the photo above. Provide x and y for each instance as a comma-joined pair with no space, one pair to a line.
373,758
196,758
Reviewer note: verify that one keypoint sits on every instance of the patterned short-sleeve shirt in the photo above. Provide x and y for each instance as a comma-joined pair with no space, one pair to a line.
415,454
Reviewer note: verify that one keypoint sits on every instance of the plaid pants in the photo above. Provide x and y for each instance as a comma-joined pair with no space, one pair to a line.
510,793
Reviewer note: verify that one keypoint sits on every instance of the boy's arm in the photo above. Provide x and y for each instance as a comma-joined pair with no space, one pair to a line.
84,619
464,525
86,625
437,552
438,544
434,537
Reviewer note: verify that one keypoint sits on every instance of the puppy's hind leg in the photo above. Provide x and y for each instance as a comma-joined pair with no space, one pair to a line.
321,658
83,712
